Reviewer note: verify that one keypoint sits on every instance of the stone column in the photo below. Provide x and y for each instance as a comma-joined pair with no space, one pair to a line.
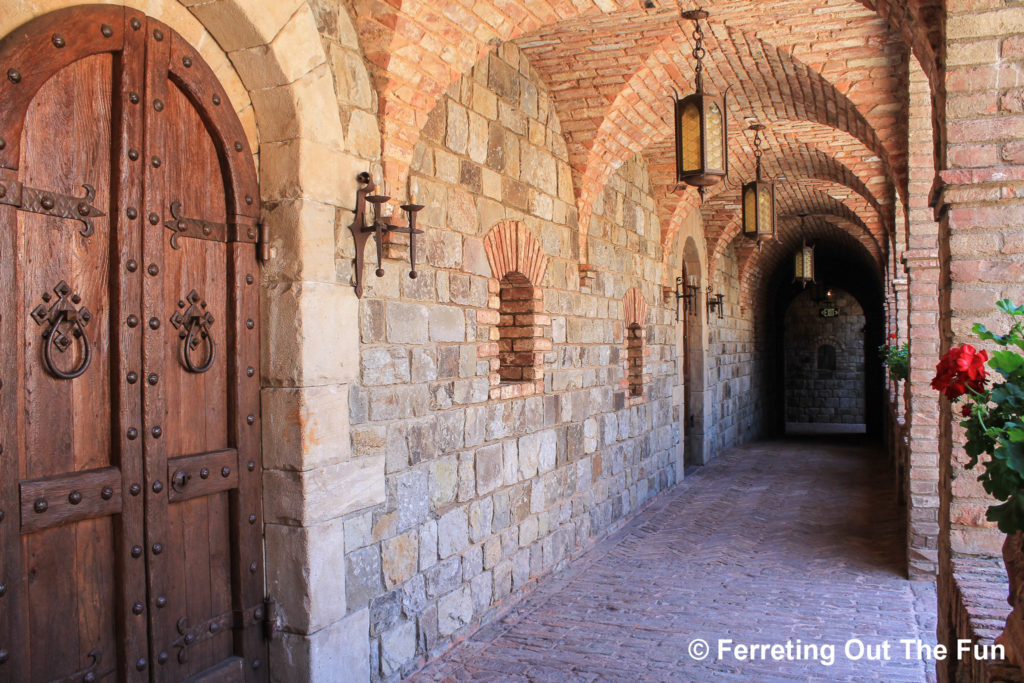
923,413
901,293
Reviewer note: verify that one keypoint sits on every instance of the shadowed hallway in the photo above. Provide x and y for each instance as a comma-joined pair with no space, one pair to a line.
775,541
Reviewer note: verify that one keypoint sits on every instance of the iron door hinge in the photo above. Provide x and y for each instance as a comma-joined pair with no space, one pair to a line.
265,252
271,618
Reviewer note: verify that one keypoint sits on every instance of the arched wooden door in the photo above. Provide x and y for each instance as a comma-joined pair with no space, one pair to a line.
130,514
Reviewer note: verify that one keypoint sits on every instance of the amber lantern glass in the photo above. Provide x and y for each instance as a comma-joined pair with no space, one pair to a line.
759,200
700,125
803,263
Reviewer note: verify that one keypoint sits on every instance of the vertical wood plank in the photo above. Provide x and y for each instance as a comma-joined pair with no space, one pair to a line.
162,575
130,538
13,604
244,415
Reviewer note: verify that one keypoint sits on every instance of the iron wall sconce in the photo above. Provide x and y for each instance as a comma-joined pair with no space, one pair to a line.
361,232
716,303
688,293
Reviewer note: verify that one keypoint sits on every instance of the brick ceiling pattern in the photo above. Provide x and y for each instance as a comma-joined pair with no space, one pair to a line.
829,79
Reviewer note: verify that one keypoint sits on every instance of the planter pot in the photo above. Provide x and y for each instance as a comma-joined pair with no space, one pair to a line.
1012,637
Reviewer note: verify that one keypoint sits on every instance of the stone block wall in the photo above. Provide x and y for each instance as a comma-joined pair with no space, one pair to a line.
813,393
735,366
490,487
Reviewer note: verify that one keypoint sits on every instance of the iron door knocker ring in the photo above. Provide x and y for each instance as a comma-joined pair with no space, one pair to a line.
193,325
192,341
65,325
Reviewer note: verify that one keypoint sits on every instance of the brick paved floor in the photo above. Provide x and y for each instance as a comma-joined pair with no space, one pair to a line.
776,541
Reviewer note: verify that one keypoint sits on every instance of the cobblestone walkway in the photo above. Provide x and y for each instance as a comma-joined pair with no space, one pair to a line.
776,541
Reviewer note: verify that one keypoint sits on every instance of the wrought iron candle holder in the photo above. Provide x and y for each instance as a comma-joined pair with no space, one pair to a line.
688,293
716,303
361,232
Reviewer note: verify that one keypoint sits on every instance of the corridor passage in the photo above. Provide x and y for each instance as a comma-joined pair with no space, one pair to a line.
775,541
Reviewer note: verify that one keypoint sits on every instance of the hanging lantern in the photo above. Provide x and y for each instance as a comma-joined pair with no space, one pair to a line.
759,199
803,265
701,126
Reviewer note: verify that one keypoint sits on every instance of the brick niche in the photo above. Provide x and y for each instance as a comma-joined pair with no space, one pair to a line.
518,265
634,314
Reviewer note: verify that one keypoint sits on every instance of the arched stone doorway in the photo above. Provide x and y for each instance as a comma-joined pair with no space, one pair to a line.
693,360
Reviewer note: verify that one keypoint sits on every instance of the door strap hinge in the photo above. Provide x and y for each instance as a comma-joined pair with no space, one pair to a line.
53,204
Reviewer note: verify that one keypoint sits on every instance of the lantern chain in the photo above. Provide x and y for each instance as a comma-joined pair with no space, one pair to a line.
757,147
699,53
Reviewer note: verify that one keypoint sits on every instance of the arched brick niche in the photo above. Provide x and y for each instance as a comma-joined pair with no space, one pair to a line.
519,330
634,314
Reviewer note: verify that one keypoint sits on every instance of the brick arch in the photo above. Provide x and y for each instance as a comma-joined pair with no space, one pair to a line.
641,114
723,224
755,266
634,307
416,50
514,321
829,339
512,248
840,152
802,165
748,257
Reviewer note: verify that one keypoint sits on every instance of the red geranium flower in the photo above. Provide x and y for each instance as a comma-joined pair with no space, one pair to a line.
966,410
962,368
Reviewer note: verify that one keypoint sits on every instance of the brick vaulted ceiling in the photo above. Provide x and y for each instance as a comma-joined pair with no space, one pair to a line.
828,78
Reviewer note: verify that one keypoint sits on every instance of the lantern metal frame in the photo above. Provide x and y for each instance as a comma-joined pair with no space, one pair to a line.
803,255
688,293
756,186
378,227
700,177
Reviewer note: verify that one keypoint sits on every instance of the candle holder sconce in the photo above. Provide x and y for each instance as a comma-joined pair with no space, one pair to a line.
716,303
688,293
379,226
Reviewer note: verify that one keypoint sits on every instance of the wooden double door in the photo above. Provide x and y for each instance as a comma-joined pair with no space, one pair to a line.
130,512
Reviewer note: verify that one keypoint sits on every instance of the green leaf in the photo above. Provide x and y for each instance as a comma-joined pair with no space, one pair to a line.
1007,306
1009,516
1006,362
985,334
1007,393
1013,454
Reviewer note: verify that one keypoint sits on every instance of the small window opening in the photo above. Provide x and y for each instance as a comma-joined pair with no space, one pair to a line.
635,359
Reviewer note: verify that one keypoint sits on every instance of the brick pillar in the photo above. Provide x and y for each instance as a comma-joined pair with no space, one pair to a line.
898,437
901,292
981,205
981,202
923,414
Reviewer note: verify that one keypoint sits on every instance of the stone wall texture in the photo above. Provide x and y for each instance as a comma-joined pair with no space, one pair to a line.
734,379
413,487
490,486
832,394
